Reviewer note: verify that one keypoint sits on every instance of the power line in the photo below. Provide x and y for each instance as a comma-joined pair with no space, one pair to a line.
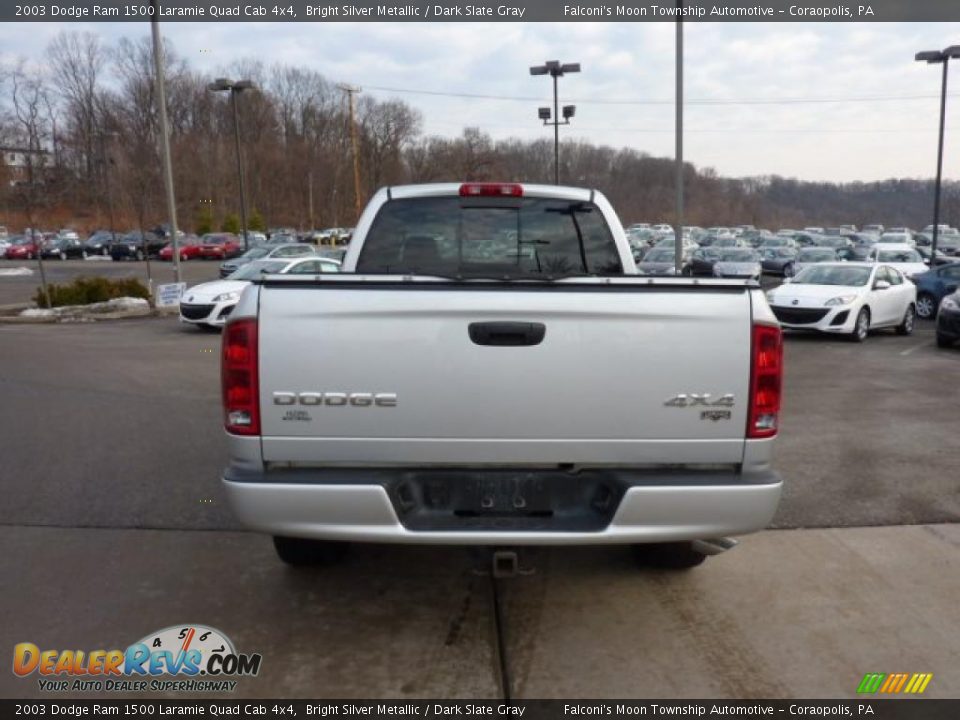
670,131
689,101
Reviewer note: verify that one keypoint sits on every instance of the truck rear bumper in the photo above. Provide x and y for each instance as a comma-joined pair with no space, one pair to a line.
655,508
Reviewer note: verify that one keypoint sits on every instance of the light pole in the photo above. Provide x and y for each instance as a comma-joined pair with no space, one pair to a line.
235,88
933,57
555,69
159,84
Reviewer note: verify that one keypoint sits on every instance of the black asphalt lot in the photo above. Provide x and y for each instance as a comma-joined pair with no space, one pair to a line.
118,425
22,288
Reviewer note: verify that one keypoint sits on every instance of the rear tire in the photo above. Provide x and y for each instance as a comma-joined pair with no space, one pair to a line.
299,552
668,556
926,306
861,328
788,270
909,320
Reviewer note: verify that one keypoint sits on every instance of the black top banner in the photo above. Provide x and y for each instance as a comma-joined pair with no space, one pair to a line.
480,11
867,708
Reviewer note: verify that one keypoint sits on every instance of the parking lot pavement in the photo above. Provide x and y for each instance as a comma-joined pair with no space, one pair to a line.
118,425
792,614
868,432
111,427
394,622
22,288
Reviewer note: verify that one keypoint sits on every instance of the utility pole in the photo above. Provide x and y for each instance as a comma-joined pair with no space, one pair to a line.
350,90
164,138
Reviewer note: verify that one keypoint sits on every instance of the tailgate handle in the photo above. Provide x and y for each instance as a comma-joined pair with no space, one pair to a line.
514,334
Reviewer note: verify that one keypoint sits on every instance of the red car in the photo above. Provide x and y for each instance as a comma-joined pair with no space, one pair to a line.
190,246
22,248
220,246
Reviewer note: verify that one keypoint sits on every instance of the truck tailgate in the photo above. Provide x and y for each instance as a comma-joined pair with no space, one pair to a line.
600,387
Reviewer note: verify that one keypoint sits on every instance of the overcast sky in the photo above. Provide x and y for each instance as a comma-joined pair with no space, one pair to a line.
884,123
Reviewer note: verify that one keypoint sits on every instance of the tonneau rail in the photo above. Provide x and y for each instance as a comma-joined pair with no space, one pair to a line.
432,282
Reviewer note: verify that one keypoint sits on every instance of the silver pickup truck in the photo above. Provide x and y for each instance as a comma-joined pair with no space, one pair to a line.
489,369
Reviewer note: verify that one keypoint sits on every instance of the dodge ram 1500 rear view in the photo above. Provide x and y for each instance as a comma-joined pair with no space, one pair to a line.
489,369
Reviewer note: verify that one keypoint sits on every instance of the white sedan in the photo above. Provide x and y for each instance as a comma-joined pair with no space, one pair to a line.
210,304
849,298
903,257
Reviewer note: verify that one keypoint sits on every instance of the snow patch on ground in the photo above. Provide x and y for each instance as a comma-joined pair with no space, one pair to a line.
10,272
70,311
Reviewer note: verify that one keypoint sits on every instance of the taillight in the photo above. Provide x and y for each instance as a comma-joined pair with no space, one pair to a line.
238,373
491,190
766,373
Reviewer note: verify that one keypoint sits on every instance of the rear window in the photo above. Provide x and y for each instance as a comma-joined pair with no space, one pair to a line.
479,237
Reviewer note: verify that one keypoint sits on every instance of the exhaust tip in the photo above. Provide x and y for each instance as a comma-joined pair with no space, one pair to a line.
714,546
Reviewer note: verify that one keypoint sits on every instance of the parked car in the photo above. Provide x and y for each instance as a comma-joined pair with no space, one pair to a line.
333,253
738,263
99,242
778,260
64,248
813,256
778,241
948,243
903,257
23,247
942,257
136,245
188,247
948,321
836,242
729,241
266,252
662,261
702,260
281,238
933,285
210,304
254,238
220,246
846,298
670,242
873,230
897,238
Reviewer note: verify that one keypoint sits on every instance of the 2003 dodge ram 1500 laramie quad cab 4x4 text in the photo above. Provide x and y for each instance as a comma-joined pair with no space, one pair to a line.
490,370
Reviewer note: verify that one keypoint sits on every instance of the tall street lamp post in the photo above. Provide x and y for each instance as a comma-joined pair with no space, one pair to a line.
235,88
933,57
555,69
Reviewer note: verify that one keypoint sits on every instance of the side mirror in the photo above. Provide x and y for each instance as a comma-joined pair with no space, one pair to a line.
881,285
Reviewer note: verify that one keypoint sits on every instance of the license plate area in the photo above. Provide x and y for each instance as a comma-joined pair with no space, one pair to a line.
541,500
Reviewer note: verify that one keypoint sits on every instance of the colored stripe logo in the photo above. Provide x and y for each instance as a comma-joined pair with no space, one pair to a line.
893,683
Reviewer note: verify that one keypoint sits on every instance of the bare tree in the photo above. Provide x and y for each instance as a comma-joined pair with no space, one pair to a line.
77,61
32,128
